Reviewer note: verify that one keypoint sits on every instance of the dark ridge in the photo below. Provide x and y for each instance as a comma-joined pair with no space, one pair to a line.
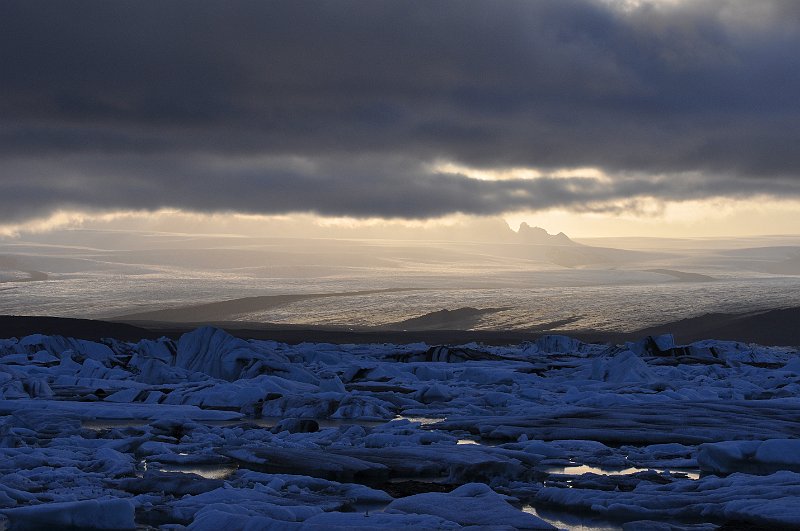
773,327
552,325
458,319
770,327
21,326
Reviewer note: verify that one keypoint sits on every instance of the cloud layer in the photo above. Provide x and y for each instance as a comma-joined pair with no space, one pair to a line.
341,107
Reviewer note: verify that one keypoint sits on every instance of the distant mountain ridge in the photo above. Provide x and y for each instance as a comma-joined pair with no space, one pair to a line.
539,236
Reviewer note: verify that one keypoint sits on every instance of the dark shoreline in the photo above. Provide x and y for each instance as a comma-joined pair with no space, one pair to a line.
772,327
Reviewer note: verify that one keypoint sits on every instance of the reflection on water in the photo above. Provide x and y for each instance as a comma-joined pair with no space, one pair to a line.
577,470
107,424
425,421
572,522
206,471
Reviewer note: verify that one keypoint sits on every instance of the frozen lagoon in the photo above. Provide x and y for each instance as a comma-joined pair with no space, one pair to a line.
212,431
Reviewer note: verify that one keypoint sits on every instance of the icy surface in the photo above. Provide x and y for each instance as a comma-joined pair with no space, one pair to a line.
211,431
470,504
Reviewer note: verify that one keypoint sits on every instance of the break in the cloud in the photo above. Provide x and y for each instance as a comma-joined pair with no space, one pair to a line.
344,108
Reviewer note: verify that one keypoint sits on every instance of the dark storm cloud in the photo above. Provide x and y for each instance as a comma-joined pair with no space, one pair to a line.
362,188
123,104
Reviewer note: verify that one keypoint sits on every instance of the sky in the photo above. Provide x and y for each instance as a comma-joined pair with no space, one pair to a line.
592,117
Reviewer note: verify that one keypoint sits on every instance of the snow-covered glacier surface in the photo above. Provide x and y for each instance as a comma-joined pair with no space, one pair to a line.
214,432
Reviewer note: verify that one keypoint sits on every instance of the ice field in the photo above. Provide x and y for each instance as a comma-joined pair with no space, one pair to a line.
210,431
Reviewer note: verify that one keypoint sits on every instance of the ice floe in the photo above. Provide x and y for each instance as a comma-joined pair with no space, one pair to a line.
210,430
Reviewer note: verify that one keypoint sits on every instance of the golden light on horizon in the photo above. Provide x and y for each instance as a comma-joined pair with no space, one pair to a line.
645,218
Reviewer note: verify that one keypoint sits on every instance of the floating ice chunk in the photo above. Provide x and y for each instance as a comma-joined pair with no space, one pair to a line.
67,365
154,397
294,425
346,521
434,393
16,359
94,369
163,350
625,367
108,410
352,492
310,462
113,463
174,483
154,371
251,502
56,345
733,351
331,383
38,388
89,514
11,496
220,355
555,344
671,455
539,448
470,504
751,457
216,517
793,365
652,345
650,525
214,352
488,375
363,407
124,396
8,345
445,354
781,511
43,357
709,498
422,372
